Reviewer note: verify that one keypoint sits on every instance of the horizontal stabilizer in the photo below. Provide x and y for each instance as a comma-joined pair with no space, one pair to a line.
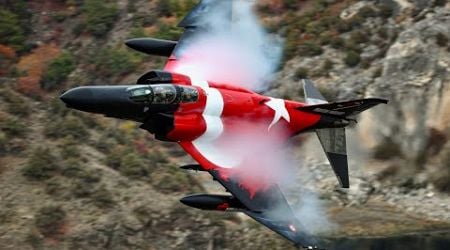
334,144
152,46
343,109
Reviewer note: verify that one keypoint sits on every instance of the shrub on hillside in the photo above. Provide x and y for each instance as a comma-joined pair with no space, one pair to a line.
114,157
172,180
385,10
352,58
291,45
67,126
325,39
56,109
343,26
100,16
132,165
102,198
57,187
337,42
3,143
49,220
290,4
114,62
105,144
315,28
85,183
330,94
57,71
13,127
442,40
386,150
327,65
301,73
163,7
168,32
17,105
440,3
89,175
69,148
41,165
157,157
11,32
310,49
367,11
359,37
441,179
72,168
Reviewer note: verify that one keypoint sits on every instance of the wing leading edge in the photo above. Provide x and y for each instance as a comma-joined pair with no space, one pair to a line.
196,23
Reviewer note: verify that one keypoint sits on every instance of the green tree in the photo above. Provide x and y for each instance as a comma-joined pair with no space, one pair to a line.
13,127
57,71
100,16
40,165
168,32
11,33
301,73
50,219
114,62
385,10
352,59
68,126
163,7
310,49
133,166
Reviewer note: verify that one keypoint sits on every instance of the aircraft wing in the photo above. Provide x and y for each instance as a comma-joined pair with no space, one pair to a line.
266,205
195,24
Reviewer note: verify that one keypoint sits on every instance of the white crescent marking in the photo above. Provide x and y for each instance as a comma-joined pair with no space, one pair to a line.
206,143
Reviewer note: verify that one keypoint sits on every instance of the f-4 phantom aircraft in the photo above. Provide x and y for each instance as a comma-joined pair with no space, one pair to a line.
200,114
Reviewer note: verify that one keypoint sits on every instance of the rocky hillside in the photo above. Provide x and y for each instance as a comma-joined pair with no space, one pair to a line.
76,181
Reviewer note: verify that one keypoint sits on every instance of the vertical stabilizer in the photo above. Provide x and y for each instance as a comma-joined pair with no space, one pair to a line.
312,95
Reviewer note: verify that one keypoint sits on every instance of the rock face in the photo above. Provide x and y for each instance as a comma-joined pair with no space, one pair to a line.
416,80
406,61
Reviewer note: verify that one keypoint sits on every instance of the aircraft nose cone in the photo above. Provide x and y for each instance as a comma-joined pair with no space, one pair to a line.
78,98
108,100
112,101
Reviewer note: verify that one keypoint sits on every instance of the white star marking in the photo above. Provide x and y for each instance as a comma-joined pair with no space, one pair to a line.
280,111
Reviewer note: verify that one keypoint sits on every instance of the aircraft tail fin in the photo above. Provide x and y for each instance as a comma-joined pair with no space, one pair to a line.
333,139
319,105
312,95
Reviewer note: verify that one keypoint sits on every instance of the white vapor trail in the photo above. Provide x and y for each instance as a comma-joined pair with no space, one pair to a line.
241,54
247,56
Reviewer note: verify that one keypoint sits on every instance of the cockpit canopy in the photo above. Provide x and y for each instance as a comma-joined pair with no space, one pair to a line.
163,94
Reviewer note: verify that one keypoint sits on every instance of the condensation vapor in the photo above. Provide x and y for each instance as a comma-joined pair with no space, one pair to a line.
247,56
241,54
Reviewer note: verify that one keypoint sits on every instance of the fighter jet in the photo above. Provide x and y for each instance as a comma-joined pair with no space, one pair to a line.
199,114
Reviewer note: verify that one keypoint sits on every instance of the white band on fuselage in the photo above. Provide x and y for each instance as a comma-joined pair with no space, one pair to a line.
206,144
